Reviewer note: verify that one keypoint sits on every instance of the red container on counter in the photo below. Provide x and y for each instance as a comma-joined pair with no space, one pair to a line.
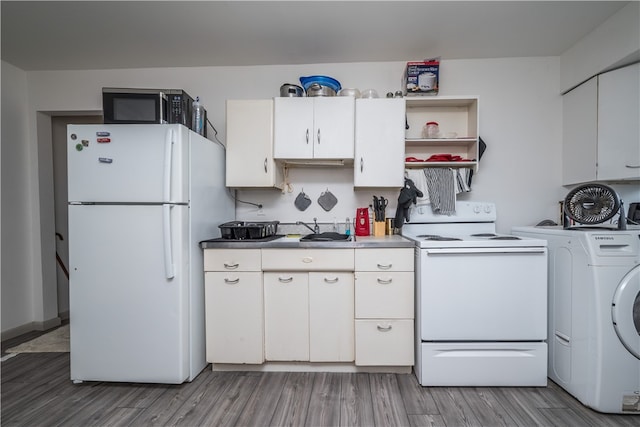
362,222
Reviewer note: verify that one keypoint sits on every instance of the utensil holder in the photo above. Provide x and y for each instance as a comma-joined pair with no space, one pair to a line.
378,228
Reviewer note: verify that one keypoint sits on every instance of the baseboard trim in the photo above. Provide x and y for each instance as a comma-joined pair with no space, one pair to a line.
29,327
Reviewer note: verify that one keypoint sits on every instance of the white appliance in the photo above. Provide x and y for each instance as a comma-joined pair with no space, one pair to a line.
481,300
594,314
141,198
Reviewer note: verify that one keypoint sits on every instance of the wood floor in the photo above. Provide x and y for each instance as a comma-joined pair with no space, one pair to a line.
36,391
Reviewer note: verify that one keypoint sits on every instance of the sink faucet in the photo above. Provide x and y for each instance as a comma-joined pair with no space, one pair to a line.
316,227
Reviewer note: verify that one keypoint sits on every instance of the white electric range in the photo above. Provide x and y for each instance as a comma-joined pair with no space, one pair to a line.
481,300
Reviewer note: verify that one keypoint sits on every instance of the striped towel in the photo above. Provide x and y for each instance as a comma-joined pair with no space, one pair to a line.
463,180
441,184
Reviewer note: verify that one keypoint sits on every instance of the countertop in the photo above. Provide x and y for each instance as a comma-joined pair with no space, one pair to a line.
393,241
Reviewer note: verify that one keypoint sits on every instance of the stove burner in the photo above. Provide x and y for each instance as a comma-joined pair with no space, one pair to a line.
505,238
483,235
436,237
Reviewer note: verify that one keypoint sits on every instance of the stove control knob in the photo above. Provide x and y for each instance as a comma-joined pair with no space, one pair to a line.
487,209
476,209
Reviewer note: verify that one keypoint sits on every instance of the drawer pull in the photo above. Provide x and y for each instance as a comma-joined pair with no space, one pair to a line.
385,266
231,266
385,282
334,280
384,328
307,259
232,281
285,279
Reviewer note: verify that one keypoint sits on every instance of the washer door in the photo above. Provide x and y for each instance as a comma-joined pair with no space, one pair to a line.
625,311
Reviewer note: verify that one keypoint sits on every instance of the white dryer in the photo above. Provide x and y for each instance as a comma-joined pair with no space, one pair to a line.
594,314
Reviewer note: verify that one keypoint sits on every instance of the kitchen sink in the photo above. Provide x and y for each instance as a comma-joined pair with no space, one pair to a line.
328,236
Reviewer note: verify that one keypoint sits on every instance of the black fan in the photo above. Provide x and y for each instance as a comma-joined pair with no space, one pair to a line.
593,204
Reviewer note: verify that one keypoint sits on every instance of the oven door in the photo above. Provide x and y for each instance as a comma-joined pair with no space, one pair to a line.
483,294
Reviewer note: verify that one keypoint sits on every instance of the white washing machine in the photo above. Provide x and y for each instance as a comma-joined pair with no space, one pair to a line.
594,314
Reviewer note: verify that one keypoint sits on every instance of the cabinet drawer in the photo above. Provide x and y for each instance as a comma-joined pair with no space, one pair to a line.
382,295
232,260
384,342
307,259
387,259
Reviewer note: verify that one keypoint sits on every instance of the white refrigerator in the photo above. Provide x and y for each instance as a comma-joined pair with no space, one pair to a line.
141,198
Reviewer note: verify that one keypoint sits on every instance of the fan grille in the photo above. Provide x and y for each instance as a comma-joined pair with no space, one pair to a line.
592,204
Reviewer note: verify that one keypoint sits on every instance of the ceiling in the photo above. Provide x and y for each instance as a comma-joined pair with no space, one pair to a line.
51,35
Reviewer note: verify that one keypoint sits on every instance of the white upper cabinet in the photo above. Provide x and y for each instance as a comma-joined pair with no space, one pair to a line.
379,143
619,124
250,144
580,133
319,128
601,128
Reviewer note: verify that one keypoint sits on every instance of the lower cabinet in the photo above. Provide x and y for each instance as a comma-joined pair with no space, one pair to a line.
384,307
309,316
233,306
283,305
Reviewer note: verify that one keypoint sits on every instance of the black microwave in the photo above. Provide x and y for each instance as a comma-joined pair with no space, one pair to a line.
147,106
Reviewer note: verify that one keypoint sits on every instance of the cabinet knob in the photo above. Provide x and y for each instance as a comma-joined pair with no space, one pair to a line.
384,328
385,266
318,136
334,280
307,136
385,281
307,259
285,279
265,165
361,164
232,281
231,266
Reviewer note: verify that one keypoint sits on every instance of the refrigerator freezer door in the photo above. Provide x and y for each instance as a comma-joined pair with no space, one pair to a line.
129,322
128,163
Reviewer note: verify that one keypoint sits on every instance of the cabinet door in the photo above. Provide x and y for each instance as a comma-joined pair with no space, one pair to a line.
286,316
619,124
293,128
333,127
250,160
331,327
379,143
233,303
580,133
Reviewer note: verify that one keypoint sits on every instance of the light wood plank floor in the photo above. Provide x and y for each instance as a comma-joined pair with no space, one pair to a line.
36,391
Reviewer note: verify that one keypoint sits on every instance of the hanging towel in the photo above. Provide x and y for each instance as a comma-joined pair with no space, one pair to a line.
420,182
441,185
463,180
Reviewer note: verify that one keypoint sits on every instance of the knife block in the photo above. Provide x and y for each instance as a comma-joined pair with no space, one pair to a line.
378,228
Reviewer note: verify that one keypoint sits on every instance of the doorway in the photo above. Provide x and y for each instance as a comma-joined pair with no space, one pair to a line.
59,153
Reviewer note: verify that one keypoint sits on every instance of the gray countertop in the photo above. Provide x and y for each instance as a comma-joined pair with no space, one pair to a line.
394,241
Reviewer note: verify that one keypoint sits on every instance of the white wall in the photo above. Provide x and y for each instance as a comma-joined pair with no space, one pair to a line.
18,235
520,120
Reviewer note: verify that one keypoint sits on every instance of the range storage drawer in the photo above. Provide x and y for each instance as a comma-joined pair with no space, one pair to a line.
384,342
307,260
232,260
478,364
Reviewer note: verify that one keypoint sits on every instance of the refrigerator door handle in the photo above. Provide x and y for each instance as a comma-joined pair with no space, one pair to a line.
168,253
168,160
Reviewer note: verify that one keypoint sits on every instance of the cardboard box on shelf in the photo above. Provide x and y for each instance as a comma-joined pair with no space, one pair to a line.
421,77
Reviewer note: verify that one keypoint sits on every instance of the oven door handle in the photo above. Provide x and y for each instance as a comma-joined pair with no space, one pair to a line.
463,251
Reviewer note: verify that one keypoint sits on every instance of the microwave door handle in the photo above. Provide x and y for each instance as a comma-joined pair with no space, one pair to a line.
168,160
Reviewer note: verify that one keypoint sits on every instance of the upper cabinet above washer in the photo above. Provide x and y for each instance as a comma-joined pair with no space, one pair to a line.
601,130
314,128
